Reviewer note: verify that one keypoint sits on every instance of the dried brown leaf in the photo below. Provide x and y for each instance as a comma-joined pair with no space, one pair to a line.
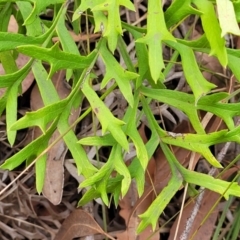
79,224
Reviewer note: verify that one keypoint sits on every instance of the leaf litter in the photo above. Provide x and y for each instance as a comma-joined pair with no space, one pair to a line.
35,217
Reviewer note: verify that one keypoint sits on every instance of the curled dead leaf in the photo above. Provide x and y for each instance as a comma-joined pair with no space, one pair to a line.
79,224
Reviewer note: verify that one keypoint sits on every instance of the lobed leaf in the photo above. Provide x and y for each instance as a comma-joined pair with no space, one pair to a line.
40,117
188,141
79,155
66,40
185,102
108,121
199,85
114,26
30,150
156,33
158,205
116,72
115,161
182,101
8,80
222,187
57,58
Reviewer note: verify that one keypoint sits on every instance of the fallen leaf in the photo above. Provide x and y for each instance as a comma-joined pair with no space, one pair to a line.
79,224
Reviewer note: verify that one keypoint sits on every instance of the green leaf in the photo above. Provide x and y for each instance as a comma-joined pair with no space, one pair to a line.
185,102
121,168
152,214
79,155
142,58
200,44
5,14
115,71
182,101
40,117
212,30
30,150
40,168
86,4
115,161
179,10
220,186
8,62
57,58
226,111
227,18
13,81
9,41
158,205
66,40
8,80
199,85
131,130
99,17
107,120
236,5
36,28
156,33
46,88
39,6
11,110
194,142
92,193
233,58
50,97
114,26
106,140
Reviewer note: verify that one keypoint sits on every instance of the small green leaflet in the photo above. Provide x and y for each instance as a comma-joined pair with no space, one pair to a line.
114,26
106,118
116,72
199,85
115,162
156,33
41,117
